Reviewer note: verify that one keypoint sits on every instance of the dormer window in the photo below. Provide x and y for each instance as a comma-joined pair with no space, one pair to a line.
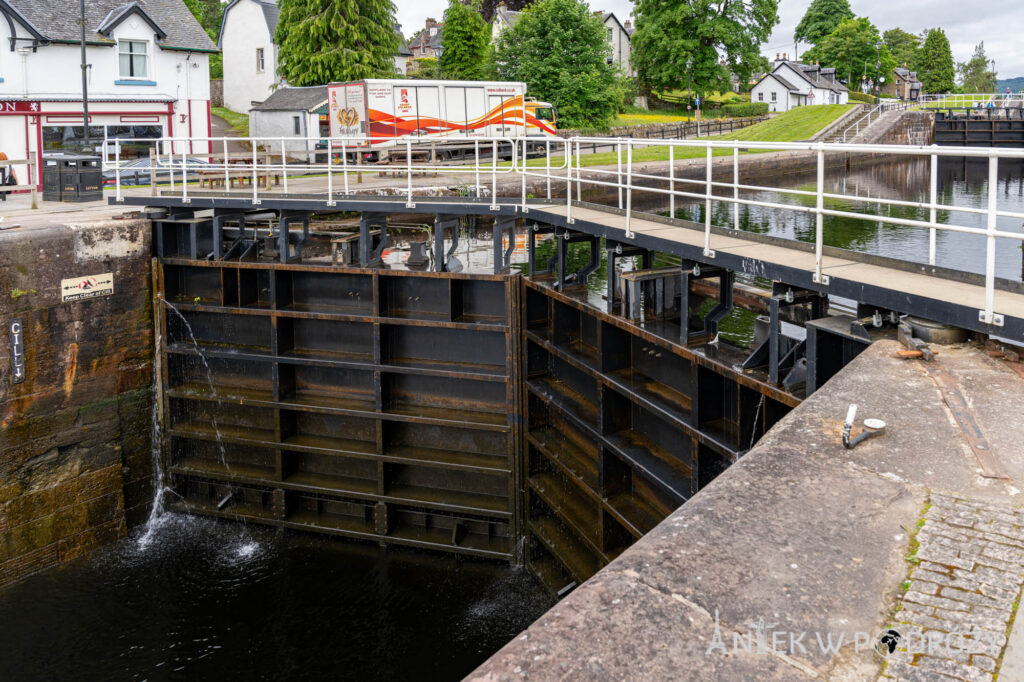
133,58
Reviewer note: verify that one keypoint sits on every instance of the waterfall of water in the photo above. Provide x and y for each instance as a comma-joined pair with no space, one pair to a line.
159,489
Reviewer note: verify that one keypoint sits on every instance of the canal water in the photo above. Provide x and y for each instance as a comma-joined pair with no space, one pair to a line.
216,600
961,182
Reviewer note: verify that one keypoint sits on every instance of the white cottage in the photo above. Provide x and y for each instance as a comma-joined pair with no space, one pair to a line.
298,117
791,84
148,74
250,53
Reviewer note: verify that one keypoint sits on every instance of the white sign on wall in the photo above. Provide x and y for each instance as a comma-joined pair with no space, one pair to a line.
89,286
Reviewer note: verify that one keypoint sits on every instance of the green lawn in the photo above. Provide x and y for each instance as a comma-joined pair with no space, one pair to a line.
792,126
238,122
642,117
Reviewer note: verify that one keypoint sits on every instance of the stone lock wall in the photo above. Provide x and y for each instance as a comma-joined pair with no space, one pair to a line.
75,459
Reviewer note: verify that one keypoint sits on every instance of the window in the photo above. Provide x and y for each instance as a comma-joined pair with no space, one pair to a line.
760,97
132,59
545,114
775,96
610,39
259,60
297,121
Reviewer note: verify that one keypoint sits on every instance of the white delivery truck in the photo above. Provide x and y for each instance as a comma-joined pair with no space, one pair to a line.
377,116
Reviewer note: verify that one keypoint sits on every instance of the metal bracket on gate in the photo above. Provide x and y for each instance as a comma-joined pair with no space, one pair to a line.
442,223
694,270
503,225
370,255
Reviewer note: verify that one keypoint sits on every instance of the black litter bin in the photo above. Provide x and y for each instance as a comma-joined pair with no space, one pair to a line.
72,177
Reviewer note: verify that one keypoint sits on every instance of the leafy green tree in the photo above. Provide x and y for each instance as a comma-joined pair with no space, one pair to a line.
424,68
465,41
902,46
321,41
560,49
974,74
820,19
935,63
670,34
851,49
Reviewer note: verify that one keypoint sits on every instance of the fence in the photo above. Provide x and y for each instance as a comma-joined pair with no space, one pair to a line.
560,166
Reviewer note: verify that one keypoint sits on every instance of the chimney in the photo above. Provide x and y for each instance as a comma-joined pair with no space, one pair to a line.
785,56
629,24
777,56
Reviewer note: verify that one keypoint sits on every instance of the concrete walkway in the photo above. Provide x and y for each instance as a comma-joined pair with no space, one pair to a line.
793,564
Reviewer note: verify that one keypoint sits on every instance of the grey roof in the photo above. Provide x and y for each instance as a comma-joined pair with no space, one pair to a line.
57,20
812,74
288,98
785,83
403,47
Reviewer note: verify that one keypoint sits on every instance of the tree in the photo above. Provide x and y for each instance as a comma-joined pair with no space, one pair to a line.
209,14
852,49
560,49
465,42
935,63
669,34
902,46
975,75
424,68
321,41
820,19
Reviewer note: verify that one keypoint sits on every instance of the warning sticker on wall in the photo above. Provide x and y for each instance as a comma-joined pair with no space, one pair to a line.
90,286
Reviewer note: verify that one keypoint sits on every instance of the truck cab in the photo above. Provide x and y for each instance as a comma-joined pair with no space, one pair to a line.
545,115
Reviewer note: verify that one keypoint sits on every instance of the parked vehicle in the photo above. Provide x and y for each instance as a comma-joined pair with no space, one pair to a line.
137,172
380,115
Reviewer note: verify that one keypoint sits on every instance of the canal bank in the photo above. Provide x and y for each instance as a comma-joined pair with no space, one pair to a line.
75,409
804,536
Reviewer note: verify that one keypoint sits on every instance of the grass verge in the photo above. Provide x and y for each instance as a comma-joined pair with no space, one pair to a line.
238,122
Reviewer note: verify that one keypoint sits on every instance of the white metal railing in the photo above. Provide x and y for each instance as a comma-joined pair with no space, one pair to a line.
624,182
172,165
558,166
957,101
872,116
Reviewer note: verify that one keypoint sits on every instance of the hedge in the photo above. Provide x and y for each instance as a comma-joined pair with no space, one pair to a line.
861,97
746,109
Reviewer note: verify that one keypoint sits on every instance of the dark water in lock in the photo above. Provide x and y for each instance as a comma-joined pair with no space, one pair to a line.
961,183
226,601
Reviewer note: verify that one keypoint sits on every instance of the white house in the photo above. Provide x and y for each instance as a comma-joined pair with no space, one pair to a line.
619,34
148,74
250,53
791,84
292,113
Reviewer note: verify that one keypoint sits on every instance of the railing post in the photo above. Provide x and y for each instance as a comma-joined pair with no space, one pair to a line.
255,193
736,188
117,168
284,168
344,165
184,175
568,180
819,218
932,213
988,315
671,181
170,164
494,175
330,171
579,176
707,204
408,174
476,157
547,164
629,187
618,173
227,174
525,210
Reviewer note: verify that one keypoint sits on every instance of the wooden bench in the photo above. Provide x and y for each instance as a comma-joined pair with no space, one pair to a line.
215,178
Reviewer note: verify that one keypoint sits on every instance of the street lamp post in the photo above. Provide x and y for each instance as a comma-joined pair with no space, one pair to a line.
85,80
878,68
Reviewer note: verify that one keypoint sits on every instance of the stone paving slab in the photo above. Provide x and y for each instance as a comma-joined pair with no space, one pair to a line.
802,535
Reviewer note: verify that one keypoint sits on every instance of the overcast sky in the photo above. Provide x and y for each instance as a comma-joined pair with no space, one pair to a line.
1000,23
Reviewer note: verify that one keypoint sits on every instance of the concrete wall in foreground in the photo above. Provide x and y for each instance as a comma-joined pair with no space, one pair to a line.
75,461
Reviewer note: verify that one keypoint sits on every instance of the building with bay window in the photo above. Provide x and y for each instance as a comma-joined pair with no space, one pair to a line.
147,72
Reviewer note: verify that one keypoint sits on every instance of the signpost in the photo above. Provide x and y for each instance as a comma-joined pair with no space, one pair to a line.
17,330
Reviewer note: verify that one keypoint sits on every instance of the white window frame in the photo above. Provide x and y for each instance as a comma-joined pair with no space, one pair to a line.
261,60
775,96
146,55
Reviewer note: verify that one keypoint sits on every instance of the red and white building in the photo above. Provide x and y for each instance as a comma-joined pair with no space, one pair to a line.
148,75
